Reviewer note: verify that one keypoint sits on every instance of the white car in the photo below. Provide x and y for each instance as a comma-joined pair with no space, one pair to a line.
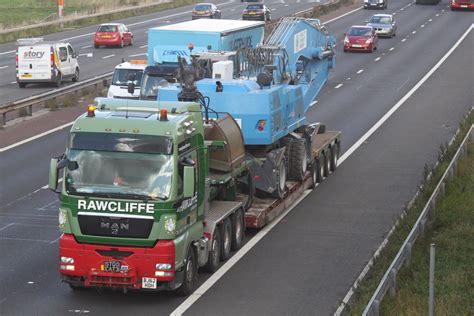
122,76
38,61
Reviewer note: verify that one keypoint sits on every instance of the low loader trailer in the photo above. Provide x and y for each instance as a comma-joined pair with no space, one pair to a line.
155,191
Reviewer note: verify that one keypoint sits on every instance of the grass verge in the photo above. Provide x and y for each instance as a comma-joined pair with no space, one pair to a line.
453,295
103,18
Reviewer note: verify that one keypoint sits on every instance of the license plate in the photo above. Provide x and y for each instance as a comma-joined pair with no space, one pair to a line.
149,283
356,45
106,36
26,76
252,12
111,266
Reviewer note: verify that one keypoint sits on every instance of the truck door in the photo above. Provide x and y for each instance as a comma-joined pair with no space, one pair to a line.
187,210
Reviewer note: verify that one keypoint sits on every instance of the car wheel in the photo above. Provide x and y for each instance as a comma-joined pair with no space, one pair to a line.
21,84
96,46
189,275
76,76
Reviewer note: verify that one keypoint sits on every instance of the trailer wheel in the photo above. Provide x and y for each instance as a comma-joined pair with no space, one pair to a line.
320,163
287,142
299,160
314,174
226,239
215,252
334,157
327,165
246,186
281,179
190,274
238,229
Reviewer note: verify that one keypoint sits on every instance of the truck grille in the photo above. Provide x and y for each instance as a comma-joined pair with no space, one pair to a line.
115,226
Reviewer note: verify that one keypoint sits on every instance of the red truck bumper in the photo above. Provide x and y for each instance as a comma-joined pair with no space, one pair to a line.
134,268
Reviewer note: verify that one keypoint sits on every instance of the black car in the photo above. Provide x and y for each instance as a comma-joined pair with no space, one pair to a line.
257,11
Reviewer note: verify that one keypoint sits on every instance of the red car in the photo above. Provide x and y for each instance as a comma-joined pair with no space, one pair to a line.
361,38
462,5
113,34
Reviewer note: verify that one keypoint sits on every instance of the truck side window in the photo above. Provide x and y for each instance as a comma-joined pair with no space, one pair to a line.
62,53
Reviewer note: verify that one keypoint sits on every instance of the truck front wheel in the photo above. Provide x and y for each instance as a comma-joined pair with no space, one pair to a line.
299,159
189,275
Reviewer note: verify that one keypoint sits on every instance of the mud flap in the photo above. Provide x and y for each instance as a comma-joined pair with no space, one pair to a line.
265,175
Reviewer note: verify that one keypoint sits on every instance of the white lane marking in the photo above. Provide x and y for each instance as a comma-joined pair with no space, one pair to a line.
392,48
273,9
360,71
135,55
54,241
24,239
338,86
422,25
35,137
233,260
11,51
343,15
233,9
286,5
377,59
403,40
108,56
437,14
3,67
144,46
5,227
88,46
313,103
141,22
348,78
31,282
430,20
372,130
13,82
414,32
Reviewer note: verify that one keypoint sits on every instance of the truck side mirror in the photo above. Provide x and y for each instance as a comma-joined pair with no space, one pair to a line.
55,165
131,87
188,180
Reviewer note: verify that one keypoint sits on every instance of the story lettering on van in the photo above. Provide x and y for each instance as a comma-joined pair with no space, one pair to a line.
33,55
113,206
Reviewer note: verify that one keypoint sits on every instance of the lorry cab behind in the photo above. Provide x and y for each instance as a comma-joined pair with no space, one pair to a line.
38,61
122,76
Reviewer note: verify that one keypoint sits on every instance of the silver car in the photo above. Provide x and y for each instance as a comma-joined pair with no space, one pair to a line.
384,25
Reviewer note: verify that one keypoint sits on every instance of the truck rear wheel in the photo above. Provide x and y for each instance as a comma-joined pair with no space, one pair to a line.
320,163
238,229
189,275
215,252
226,239
314,174
327,165
299,159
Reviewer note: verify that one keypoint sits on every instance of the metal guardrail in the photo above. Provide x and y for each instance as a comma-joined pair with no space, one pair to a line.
39,98
389,280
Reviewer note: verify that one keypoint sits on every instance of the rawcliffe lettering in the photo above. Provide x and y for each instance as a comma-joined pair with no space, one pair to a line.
113,206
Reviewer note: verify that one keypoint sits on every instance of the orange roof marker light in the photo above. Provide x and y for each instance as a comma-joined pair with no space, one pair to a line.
191,46
90,111
163,115
138,62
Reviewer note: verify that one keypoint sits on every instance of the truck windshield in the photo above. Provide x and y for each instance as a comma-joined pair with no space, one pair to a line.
150,87
121,76
119,174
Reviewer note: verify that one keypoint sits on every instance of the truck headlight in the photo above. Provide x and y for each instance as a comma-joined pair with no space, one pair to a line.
163,266
67,260
170,225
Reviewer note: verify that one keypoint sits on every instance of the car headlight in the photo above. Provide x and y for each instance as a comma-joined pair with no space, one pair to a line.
67,260
170,225
163,266
368,41
346,40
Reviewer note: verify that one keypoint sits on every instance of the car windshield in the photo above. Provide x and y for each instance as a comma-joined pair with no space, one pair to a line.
255,7
360,31
107,28
121,77
380,20
122,173
202,7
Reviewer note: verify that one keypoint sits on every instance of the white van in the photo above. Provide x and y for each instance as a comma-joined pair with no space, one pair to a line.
121,78
39,61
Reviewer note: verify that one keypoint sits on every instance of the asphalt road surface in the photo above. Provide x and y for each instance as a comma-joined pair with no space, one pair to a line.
307,262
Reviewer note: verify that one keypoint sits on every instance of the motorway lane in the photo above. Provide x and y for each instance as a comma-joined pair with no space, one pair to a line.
105,59
308,262
41,296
